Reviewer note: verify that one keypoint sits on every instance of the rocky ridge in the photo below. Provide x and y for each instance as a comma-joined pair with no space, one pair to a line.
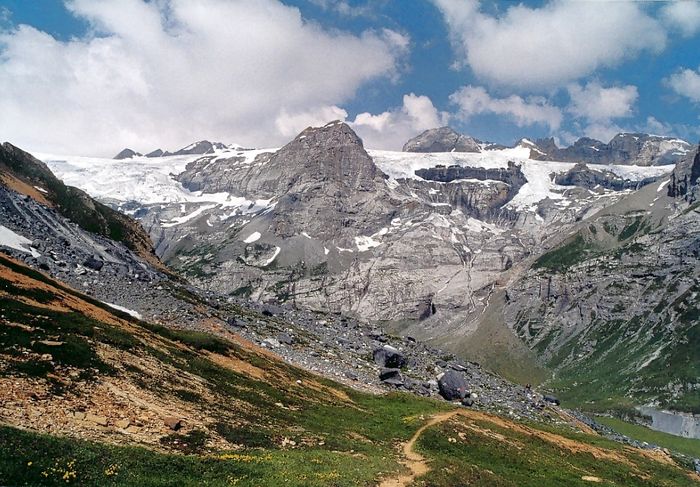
196,148
624,148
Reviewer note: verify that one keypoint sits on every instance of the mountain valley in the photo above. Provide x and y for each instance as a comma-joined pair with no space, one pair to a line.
289,286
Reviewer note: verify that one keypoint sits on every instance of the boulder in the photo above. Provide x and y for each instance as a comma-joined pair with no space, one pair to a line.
452,385
551,399
285,338
468,402
388,356
94,263
391,376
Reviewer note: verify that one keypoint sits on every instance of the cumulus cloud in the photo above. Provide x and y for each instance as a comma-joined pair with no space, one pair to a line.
682,15
596,103
475,100
291,124
549,46
171,71
391,129
686,82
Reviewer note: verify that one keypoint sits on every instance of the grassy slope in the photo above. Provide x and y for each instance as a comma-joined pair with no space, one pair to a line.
247,424
494,453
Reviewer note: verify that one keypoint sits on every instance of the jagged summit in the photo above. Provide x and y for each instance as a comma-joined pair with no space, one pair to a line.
332,154
443,139
334,134
127,154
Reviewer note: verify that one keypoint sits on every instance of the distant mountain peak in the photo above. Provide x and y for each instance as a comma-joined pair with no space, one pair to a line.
442,139
127,154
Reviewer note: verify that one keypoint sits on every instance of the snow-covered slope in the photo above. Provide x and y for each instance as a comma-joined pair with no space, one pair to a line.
150,181
139,179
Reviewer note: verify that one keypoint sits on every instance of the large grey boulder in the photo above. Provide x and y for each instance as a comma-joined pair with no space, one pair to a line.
391,376
453,385
388,356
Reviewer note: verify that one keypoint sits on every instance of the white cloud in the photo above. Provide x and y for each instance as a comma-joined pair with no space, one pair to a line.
654,126
391,129
475,100
596,103
548,46
164,73
602,130
291,124
686,82
683,15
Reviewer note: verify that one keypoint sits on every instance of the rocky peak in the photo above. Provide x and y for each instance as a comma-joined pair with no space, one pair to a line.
127,154
156,153
443,139
201,147
319,155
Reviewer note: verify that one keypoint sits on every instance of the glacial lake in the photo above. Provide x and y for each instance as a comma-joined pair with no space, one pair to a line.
675,423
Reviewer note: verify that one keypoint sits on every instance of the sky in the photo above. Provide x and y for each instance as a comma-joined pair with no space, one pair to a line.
90,77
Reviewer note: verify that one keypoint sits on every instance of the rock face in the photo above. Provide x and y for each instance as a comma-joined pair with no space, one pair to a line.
684,179
127,154
625,148
443,139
